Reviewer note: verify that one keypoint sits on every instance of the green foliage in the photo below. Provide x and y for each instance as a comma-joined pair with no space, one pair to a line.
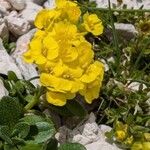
10,111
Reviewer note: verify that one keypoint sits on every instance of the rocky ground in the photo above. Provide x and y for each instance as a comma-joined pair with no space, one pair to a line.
16,23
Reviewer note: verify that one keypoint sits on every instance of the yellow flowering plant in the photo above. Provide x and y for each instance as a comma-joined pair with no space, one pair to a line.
64,57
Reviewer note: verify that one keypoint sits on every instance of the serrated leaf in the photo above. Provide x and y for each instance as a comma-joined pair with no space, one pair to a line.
21,129
76,108
10,111
45,132
42,128
5,134
71,146
32,119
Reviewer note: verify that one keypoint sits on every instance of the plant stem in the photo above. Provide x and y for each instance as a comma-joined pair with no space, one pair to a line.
32,103
115,40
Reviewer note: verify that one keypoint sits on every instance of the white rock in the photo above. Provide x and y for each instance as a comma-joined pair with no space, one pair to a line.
3,11
28,70
136,4
16,25
39,2
4,33
17,4
30,12
7,63
101,145
136,85
92,136
127,31
3,91
5,4
49,4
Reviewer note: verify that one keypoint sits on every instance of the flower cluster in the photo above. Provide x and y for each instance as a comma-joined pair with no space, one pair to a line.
62,54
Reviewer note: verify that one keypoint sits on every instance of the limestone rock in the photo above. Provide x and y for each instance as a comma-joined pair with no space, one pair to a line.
17,4
3,11
136,4
5,4
89,134
127,31
18,26
49,4
4,33
7,63
3,91
28,70
39,2
30,12
92,136
135,86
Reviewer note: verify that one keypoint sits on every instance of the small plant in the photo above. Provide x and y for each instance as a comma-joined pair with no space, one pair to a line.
23,126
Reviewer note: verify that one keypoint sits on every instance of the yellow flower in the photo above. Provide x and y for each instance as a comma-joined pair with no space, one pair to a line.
141,146
120,135
91,90
45,18
92,79
64,32
64,57
57,98
51,47
73,13
63,83
137,146
92,24
64,3
34,54
93,71
86,54
146,145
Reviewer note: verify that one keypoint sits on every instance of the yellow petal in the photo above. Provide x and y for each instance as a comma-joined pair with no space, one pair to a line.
91,91
86,54
70,54
40,60
93,24
55,98
27,57
52,47
93,71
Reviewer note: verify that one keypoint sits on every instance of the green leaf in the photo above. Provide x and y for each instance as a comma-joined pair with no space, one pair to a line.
43,128
45,132
9,147
30,146
32,119
5,134
19,86
71,146
10,111
76,108
12,76
21,129
28,85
